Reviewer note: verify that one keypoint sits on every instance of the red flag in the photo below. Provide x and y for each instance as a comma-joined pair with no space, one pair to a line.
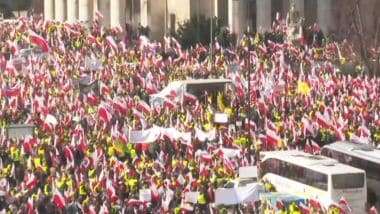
31,182
12,92
68,154
111,192
373,210
280,205
98,15
59,200
315,147
143,107
104,114
30,206
344,203
39,41
272,138
104,89
322,121
120,106
50,122
304,209
315,204
111,42
190,98
169,104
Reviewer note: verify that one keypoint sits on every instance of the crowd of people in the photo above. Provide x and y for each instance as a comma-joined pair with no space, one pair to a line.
80,157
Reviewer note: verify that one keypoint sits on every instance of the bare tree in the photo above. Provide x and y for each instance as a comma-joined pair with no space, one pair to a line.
363,39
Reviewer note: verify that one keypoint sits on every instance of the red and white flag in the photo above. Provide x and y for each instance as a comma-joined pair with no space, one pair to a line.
39,41
111,42
58,200
104,114
143,107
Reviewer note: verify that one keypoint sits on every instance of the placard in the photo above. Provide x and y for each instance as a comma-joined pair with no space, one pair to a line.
145,195
221,118
86,86
248,172
191,197
93,64
18,131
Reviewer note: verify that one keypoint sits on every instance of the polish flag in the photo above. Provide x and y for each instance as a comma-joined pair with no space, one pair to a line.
58,200
373,210
104,114
39,41
304,209
315,148
307,126
344,204
50,122
111,42
364,131
120,106
12,92
30,206
272,138
104,89
169,104
110,190
190,98
143,107
323,121
68,154
98,15
315,204
92,99
31,182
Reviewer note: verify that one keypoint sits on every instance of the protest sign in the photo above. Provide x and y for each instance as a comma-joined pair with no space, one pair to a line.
191,197
221,118
145,195
19,131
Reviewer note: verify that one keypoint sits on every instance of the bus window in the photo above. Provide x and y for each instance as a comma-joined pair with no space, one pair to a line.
372,169
316,179
348,181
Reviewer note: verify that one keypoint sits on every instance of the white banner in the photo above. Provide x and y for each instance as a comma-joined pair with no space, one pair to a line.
221,118
237,195
248,172
153,134
229,153
191,197
203,136
145,136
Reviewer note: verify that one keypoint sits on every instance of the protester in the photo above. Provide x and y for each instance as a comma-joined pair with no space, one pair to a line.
82,156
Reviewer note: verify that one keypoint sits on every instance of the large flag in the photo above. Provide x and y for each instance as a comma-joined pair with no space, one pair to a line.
39,41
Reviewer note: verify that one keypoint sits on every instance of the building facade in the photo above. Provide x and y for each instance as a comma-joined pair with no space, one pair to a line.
333,16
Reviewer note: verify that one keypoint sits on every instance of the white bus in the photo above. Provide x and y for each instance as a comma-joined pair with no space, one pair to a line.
314,177
363,157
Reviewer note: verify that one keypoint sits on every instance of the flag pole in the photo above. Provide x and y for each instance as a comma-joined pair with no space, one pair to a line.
211,34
